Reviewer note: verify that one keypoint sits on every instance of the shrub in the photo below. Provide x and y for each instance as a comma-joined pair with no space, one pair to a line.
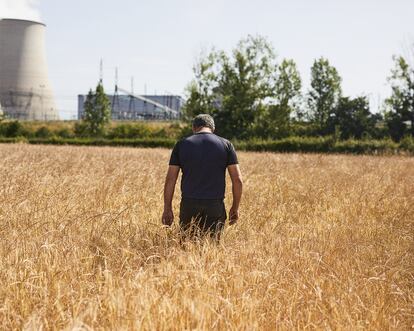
407,144
12,129
185,131
366,146
64,133
128,131
43,132
80,129
291,144
161,133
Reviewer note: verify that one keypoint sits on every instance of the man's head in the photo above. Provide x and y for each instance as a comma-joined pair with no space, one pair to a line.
203,121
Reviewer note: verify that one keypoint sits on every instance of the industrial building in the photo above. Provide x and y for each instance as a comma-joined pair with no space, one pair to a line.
25,91
140,107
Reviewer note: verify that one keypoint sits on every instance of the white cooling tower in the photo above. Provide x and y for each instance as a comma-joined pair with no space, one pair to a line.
25,91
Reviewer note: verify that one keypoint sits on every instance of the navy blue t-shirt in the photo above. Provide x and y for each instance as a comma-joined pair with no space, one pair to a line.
203,159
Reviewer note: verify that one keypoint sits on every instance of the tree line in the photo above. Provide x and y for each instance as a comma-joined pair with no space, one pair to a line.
251,95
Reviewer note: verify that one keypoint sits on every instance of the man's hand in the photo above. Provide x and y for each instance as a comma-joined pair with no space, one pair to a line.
167,217
233,215
237,183
171,178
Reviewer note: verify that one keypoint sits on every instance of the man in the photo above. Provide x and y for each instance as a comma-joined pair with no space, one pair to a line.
203,159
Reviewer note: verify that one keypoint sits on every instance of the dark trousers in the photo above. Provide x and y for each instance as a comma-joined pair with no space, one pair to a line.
202,217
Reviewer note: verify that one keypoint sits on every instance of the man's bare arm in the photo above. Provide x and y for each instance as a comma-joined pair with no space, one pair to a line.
169,187
237,188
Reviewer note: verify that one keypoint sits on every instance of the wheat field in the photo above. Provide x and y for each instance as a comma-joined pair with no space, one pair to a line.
323,242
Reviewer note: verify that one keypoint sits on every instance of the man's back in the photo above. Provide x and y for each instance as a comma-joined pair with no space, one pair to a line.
203,158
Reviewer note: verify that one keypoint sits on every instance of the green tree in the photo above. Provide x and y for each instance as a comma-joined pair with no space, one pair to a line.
201,92
287,96
247,80
96,112
288,86
353,118
401,102
396,128
324,94
234,88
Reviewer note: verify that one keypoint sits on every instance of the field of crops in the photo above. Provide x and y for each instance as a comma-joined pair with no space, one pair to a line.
324,242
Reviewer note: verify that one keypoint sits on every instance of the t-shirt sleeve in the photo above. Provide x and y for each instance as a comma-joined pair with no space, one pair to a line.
231,155
175,157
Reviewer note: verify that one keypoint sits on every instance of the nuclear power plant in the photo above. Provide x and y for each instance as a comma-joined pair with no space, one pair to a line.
26,94
25,91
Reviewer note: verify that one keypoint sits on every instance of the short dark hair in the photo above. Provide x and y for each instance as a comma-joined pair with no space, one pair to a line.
204,120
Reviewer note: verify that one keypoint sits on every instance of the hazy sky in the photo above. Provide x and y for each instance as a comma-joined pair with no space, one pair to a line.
157,41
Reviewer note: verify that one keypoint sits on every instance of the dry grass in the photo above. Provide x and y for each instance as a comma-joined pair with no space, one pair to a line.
324,242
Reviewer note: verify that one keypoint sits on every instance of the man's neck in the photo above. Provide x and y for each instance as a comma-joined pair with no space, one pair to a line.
203,130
